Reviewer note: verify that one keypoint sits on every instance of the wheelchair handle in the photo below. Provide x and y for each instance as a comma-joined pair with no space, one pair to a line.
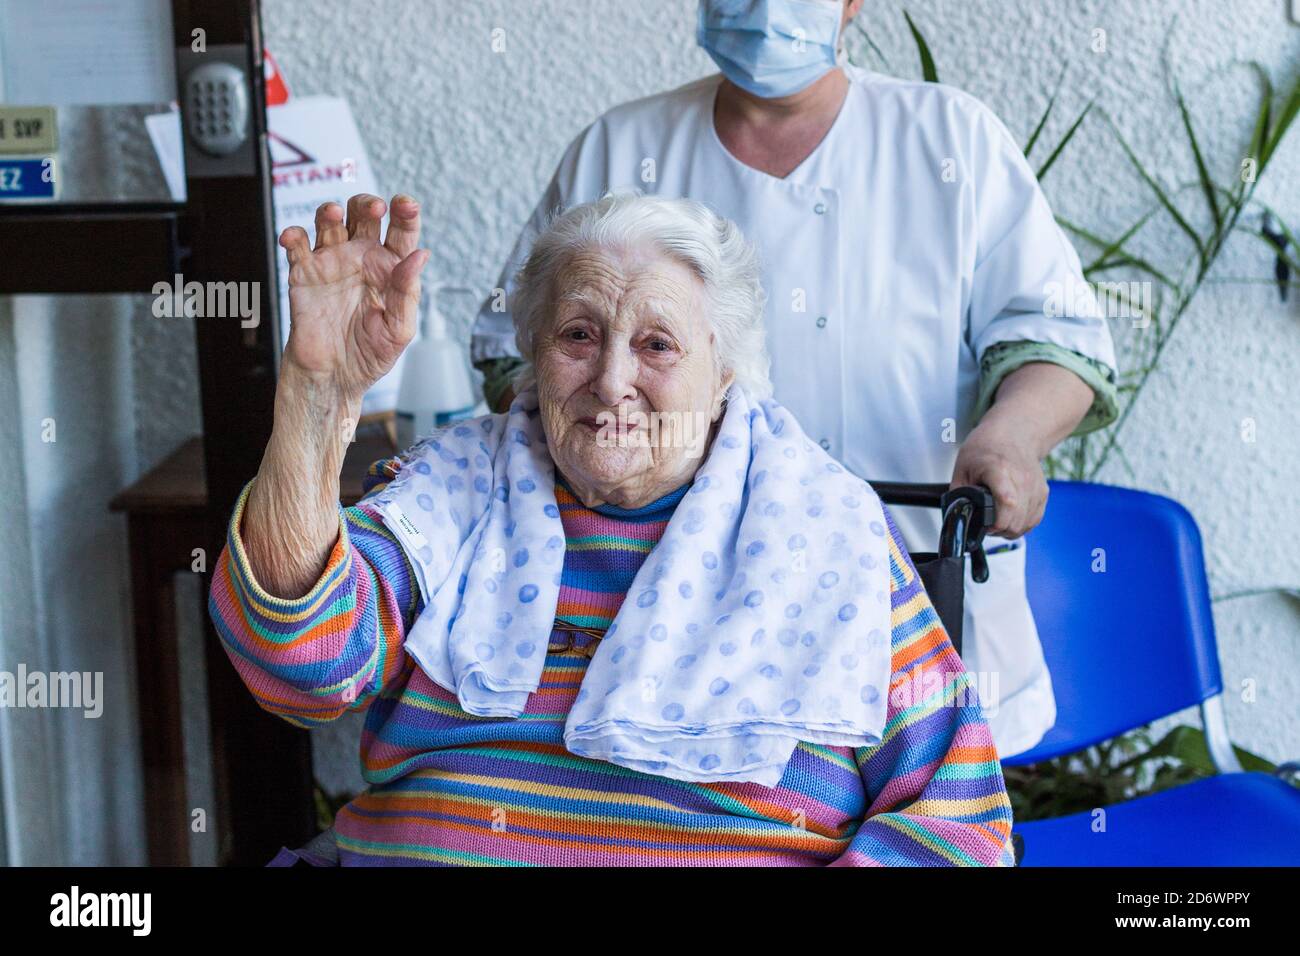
968,512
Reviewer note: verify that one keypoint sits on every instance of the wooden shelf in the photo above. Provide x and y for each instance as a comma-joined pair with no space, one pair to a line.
176,485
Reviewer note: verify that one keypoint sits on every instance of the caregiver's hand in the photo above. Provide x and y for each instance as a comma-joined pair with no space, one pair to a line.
1036,406
1011,471
353,305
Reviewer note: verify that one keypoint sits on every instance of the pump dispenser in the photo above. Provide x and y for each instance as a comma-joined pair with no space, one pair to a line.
435,386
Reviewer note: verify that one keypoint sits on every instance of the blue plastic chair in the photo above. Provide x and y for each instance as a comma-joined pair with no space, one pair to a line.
1127,646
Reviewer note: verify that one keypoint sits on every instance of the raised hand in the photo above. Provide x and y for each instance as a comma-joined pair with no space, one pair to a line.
353,300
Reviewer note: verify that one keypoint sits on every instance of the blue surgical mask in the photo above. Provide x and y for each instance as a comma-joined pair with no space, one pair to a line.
771,48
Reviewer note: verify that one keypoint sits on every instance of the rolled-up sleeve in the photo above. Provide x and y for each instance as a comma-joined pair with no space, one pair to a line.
498,375
313,658
934,784
1003,358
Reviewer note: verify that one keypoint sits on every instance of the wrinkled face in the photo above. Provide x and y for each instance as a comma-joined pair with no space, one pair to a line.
627,381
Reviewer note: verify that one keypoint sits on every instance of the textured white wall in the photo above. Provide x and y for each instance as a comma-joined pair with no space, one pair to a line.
476,134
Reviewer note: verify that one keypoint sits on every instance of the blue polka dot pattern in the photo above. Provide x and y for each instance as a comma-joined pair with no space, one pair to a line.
755,623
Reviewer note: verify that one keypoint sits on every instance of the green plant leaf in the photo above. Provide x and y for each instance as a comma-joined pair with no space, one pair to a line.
1042,122
1081,231
927,61
1131,262
1290,593
1090,778
324,815
1263,121
328,804
1188,745
857,24
1286,116
1042,171
1096,240
1159,191
1113,254
1202,171
1118,244
1128,465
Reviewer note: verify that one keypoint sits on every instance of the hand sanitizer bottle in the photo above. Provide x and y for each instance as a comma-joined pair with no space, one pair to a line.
435,386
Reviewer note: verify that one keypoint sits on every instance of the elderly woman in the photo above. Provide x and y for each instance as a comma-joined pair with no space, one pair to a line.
638,619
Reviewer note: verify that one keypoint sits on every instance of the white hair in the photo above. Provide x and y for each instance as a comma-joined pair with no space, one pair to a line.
712,247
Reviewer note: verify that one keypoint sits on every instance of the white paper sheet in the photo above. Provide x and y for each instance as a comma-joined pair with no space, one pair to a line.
316,157
165,134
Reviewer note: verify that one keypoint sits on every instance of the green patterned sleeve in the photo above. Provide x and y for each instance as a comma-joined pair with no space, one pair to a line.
1003,358
498,373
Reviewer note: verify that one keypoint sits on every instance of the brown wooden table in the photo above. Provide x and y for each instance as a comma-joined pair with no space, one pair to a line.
254,752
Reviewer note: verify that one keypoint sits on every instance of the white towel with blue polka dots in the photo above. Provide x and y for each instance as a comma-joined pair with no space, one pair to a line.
759,620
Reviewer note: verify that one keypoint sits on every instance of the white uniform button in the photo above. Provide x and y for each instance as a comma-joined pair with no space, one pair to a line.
820,209
825,443
821,322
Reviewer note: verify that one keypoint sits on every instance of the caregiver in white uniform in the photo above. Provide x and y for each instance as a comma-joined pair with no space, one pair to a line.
923,316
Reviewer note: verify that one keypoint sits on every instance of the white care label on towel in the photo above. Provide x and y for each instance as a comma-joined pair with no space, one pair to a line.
411,537
402,526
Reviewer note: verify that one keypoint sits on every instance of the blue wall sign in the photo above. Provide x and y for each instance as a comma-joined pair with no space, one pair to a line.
26,179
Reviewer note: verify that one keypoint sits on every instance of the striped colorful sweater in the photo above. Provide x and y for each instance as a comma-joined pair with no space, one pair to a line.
447,788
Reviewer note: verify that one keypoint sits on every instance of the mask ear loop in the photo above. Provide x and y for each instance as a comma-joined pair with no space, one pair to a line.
841,48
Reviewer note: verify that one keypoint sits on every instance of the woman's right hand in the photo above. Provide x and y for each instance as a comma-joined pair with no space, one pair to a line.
354,304
353,301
